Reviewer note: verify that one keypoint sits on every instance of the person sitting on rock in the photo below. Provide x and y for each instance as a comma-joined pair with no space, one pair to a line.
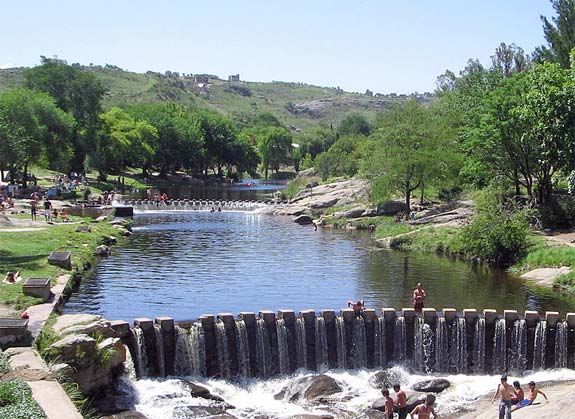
357,306
531,396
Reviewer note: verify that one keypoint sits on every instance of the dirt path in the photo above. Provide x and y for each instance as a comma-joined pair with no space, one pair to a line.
567,239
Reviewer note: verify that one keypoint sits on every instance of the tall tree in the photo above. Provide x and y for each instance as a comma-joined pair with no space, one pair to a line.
274,146
76,92
354,124
559,34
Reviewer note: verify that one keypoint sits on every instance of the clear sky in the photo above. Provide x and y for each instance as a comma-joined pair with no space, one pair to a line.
382,45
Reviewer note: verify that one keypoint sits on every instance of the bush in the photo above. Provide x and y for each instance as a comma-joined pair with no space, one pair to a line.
17,403
499,236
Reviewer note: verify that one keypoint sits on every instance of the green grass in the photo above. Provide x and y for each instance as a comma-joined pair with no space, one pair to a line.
541,255
297,185
432,239
17,402
27,252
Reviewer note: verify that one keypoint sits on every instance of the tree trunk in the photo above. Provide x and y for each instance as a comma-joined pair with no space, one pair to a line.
408,198
25,176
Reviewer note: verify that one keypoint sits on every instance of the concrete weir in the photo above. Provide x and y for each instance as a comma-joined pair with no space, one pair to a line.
188,205
269,343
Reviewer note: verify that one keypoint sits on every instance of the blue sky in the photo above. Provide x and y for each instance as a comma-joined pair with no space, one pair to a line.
382,45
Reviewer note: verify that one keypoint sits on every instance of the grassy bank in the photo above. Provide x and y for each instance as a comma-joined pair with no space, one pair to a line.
28,251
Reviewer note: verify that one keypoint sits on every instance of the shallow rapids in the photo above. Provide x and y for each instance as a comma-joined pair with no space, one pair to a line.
253,398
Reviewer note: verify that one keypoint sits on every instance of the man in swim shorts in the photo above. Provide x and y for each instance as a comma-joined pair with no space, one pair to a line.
505,392
531,396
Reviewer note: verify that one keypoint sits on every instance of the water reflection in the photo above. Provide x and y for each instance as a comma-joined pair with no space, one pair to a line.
184,264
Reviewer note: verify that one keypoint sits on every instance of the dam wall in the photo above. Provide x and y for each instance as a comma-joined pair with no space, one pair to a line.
192,205
268,344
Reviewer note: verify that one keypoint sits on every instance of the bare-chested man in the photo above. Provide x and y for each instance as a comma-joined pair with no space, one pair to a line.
505,391
400,401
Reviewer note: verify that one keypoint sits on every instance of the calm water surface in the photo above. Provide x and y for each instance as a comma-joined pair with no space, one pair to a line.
184,264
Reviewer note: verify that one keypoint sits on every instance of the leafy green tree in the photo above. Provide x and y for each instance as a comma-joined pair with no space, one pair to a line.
76,92
32,129
218,135
354,124
122,141
411,148
342,158
316,140
559,34
274,146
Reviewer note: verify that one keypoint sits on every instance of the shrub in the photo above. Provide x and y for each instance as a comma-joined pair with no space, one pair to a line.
17,403
496,235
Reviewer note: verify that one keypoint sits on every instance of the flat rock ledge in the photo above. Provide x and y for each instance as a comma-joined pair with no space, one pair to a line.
545,277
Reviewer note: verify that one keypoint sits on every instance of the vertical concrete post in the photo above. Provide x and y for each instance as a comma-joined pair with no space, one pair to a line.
389,315
168,330
270,322
209,326
249,319
149,333
490,316
331,335
369,319
288,317
309,325
450,314
231,334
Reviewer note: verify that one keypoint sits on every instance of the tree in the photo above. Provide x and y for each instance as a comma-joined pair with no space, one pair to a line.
509,59
341,159
559,34
217,134
122,141
32,128
411,148
274,146
76,92
354,124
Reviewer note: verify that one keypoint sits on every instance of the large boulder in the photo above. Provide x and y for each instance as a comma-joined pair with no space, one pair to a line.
87,324
197,390
391,207
74,348
102,251
303,219
126,415
212,412
436,385
374,414
309,388
387,378
308,416
351,213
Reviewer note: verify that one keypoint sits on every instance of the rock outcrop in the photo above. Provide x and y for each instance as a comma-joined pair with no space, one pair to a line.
309,388
436,385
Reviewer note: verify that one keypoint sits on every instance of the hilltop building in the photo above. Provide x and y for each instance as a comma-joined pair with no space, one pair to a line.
234,77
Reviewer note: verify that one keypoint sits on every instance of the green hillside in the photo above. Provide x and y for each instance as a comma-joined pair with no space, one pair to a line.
298,106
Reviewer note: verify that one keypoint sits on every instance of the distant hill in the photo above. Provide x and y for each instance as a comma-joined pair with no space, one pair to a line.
299,106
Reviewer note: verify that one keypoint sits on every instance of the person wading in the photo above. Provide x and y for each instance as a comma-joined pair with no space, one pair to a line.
506,392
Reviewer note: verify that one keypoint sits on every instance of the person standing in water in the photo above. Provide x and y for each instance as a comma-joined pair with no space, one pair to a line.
506,393
418,297
400,401
425,410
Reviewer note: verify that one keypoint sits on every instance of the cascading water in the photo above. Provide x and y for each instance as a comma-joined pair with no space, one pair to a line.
282,346
321,353
263,351
141,354
499,347
222,348
458,347
160,351
341,347
243,349
539,345
478,357
185,205
441,346
379,356
399,340
190,351
358,350
418,351
561,345
517,361
301,352
129,367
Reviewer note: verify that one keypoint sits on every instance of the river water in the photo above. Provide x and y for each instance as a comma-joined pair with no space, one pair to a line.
185,264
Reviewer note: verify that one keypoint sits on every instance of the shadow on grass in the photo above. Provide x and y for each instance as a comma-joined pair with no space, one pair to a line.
29,261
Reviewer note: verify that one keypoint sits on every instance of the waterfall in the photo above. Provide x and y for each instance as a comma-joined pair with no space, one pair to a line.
184,353
243,349
263,351
341,346
561,345
518,357
418,352
282,346
479,347
441,346
160,351
129,367
358,350
379,343
458,347
499,348
301,350
141,354
222,348
539,345
321,353
190,351
399,340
